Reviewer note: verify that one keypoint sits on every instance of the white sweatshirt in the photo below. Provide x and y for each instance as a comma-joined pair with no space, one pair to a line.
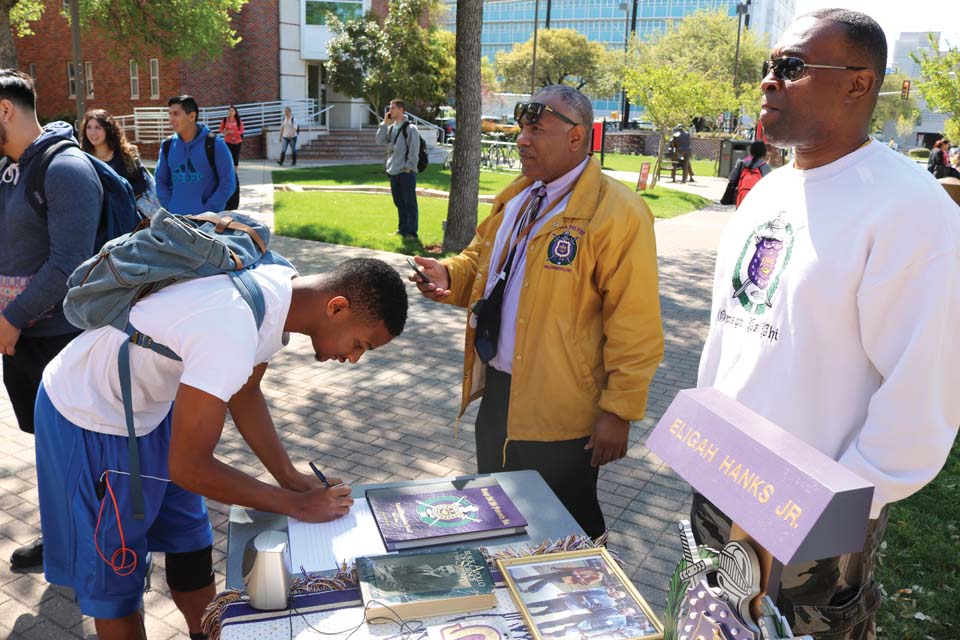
835,315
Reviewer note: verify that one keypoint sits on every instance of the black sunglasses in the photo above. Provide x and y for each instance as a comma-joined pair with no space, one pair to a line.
791,68
533,111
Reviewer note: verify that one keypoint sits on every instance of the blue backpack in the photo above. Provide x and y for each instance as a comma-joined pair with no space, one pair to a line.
118,213
166,249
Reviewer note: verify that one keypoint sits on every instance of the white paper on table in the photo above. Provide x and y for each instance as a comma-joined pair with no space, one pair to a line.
321,546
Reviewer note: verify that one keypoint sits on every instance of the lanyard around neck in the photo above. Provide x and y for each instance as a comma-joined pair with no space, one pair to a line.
531,209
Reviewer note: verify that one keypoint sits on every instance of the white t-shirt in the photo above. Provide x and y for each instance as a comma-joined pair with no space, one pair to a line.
835,308
204,321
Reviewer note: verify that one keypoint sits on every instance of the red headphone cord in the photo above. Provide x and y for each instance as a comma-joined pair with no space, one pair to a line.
123,561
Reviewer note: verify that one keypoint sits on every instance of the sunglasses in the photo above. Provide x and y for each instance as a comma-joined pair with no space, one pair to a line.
533,111
791,68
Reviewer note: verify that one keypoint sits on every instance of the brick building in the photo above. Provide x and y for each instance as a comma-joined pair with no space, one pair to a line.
280,57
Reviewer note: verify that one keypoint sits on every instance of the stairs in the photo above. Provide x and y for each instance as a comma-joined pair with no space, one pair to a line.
344,144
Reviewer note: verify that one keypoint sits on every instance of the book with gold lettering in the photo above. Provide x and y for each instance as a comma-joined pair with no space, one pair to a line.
444,512
424,584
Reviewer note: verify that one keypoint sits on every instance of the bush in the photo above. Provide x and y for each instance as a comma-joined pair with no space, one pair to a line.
919,152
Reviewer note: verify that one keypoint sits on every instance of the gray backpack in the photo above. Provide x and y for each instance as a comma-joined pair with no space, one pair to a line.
164,249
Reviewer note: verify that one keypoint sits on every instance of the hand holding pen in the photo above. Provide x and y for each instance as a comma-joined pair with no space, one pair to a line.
323,478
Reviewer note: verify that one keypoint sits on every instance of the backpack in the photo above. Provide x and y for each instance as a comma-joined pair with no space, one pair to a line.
233,202
749,176
422,159
118,212
166,249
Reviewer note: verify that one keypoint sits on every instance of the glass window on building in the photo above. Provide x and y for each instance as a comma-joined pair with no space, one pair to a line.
317,10
71,80
134,80
154,78
88,72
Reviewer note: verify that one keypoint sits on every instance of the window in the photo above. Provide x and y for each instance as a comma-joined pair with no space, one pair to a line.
154,78
71,80
134,80
317,10
88,72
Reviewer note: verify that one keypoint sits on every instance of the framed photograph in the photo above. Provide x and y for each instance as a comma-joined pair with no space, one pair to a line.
578,595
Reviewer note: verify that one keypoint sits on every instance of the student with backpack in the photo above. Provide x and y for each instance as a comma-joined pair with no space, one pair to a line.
404,145
38,251
195,171
746,173
183,372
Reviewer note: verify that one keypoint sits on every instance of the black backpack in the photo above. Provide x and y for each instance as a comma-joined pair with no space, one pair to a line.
118,212
233,202
422,159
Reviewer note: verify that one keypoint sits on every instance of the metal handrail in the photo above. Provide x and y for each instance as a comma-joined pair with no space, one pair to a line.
151,124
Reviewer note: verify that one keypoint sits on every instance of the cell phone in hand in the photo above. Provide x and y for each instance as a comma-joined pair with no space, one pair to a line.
416,269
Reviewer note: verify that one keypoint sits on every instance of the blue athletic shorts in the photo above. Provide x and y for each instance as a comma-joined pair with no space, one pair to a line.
70,464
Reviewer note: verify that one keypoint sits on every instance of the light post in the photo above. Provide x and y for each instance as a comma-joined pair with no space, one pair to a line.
533,63
743,9
626,40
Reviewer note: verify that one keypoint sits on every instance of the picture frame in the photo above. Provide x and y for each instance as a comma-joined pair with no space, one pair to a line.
577,595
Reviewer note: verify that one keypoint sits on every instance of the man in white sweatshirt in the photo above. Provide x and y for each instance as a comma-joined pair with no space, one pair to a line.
835,301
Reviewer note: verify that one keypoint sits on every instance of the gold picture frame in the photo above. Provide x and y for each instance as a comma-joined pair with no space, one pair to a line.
578,594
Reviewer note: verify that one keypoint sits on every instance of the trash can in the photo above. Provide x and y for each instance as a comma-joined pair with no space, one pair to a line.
730,152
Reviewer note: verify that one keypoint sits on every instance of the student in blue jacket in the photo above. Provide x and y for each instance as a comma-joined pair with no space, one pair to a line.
186,183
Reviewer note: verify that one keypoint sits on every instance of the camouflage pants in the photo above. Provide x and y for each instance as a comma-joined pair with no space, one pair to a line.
829,599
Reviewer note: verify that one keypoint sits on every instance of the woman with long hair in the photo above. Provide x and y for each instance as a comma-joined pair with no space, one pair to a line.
231,128
288,136
101,137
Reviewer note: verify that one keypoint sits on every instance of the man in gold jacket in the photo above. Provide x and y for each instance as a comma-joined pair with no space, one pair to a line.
564,343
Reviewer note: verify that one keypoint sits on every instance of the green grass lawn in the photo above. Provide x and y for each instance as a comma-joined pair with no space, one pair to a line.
919,563
625,162
359,220
435,177
365,220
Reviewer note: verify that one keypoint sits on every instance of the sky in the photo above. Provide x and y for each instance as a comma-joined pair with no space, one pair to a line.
896,16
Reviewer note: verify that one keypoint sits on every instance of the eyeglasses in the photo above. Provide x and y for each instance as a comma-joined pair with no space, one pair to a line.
533,111
791,68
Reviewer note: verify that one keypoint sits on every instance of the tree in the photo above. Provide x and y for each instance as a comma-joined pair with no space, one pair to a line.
672,96
177,28
400,58
892,107
907,121
465,183
941,79
687,72
705,43
16,15
564,56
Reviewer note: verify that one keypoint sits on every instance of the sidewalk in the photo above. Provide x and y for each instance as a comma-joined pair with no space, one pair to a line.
391,417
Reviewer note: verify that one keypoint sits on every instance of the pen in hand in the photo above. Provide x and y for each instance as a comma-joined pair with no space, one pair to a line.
322,477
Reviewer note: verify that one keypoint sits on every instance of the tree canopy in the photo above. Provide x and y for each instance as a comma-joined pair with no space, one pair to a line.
177,28
564,56
941,80
397,59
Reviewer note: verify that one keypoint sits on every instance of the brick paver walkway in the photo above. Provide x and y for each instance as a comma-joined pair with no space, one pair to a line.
390,417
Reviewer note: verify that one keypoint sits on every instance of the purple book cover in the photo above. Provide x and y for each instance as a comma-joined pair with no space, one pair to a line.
448,508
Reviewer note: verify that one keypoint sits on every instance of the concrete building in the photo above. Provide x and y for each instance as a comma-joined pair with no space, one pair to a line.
772,17
908,43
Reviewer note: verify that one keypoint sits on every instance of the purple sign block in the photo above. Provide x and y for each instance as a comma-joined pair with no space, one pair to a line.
794,500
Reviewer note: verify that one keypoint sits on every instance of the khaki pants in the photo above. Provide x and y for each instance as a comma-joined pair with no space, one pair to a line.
829,599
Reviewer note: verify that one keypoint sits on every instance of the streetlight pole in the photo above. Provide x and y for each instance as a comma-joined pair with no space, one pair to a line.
79,70
533,64
743,9
626,40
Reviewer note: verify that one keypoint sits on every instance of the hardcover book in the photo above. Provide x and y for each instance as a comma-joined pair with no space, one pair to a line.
424,584
444,512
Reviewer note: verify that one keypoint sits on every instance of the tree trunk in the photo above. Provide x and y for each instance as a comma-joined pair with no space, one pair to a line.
8,46
465,182
656,167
